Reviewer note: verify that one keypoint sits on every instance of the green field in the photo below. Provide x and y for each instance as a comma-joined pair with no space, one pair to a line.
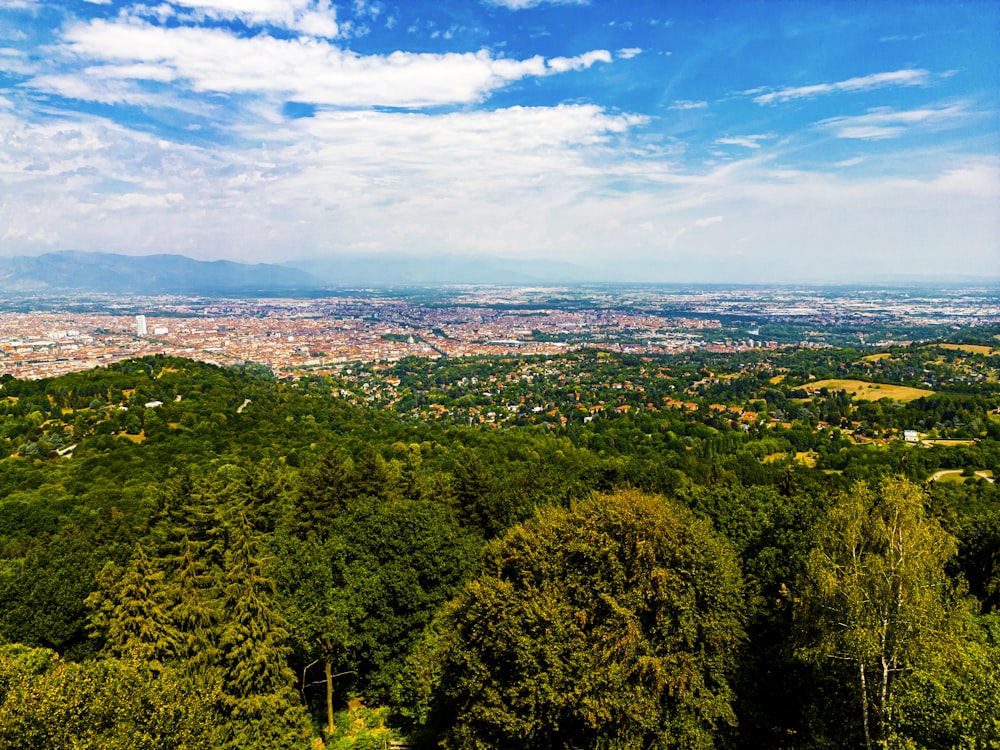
969,348
860,389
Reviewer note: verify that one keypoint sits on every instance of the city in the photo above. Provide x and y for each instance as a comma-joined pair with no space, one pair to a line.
46,337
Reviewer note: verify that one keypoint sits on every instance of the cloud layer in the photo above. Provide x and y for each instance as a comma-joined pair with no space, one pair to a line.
307,69
634,144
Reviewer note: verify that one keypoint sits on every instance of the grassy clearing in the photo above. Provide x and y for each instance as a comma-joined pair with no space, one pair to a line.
776,379
969,348
877,357
804,457
864,391
950,442
952,476
134,438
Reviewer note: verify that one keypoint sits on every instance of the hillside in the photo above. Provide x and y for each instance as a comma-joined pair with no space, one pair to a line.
234,560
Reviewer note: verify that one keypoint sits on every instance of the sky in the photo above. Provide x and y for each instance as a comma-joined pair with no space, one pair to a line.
754,142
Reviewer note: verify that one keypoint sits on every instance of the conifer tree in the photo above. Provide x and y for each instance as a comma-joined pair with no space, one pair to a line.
368,476
194,610
321,495
191,512
132,610
258,684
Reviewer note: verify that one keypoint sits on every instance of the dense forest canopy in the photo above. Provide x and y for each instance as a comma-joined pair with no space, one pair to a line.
792,549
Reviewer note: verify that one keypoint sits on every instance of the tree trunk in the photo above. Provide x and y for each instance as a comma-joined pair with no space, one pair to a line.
328,668
864,705
884,703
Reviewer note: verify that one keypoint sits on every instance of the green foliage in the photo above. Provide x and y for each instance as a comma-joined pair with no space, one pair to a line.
360,728
401,561
131,609
362,523
259,698
106,703
951,700
877,596
614,624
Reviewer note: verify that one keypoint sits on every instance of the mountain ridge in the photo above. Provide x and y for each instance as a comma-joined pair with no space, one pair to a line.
164,273
75,270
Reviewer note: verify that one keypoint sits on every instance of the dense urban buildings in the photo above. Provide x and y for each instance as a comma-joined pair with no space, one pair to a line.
43,337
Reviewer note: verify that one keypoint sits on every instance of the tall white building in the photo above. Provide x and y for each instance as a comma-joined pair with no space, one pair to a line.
140,325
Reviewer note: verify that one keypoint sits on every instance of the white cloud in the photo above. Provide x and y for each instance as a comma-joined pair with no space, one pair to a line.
884,123
129,201
628,53
523,4
683,105
747,141
513,182
16,65
907,77
309,70
980,179
392,180
562,64
313,17
13,35
98,89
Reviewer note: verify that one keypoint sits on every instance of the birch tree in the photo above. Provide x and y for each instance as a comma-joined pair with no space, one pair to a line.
877,595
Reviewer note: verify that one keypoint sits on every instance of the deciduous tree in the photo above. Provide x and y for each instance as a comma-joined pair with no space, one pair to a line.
614,624
877,595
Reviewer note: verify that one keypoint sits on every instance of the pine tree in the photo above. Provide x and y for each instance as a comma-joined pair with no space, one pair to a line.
321,495
194,609
258,684
193,513
132,609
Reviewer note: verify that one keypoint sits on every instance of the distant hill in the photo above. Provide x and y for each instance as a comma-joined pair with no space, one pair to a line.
77,271
404,270
145,274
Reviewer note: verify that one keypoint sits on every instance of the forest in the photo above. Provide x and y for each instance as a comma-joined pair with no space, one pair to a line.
594,550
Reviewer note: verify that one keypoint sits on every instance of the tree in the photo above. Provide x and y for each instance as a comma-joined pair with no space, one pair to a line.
321,495
399,562
193,609
613,624
876,594
950,701
100,703
311,591
132,611
257,682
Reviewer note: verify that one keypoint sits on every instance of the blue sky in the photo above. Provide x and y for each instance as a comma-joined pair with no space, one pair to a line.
688,141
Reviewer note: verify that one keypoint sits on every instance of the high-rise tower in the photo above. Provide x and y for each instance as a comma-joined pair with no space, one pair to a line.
140,325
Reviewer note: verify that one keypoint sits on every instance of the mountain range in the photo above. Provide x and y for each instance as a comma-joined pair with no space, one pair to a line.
78,271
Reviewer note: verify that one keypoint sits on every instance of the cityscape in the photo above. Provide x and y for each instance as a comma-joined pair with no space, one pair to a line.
46,337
